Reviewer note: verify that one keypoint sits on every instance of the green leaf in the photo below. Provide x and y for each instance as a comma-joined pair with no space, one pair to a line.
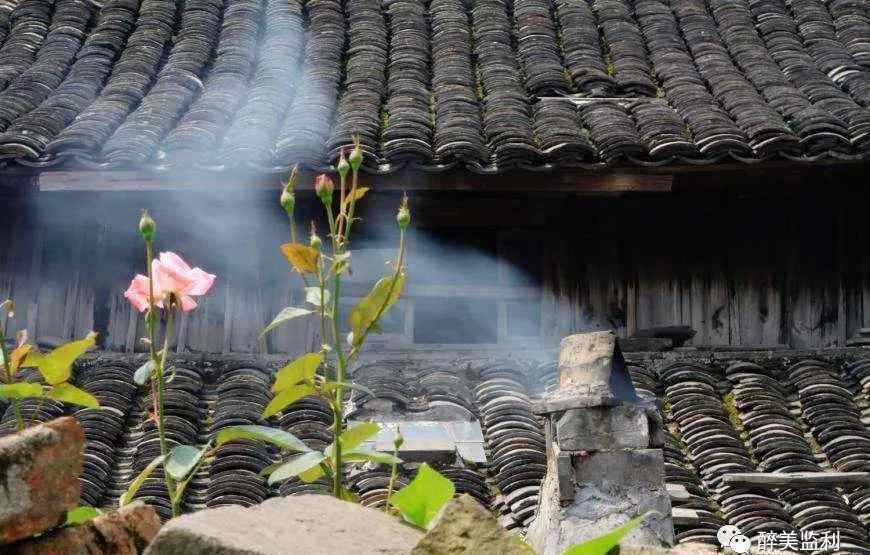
287,397
603,544
56,366
143,373
300,370
354,436
313,473
271,468
183,459
302,257
32,360
312,296
282,439
140,479
362,454
285,315
20,390
80,515
297,466
68,393
365,313
422,499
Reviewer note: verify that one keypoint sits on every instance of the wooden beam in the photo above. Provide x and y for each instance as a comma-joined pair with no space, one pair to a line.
797,479
566,182
487,292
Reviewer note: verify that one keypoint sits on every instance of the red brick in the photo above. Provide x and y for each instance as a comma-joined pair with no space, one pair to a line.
39,470
127,532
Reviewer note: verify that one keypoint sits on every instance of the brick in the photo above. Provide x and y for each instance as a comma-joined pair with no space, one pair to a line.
126,532
39,470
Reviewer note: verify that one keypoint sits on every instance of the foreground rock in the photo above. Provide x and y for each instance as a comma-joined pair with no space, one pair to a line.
39,470
304,524
126,532
466,527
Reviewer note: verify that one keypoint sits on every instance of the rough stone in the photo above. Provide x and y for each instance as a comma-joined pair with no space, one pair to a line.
39,470
591,372
126,532
610,488
309,524
466,527
599,428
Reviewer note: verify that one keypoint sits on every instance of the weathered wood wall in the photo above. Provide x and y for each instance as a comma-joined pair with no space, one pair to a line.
748,264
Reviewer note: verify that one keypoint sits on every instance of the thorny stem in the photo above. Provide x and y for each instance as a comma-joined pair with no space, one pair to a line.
338,243
161,425
352,207
16,403
159,364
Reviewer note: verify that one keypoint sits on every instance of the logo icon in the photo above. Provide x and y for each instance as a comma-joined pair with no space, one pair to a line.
729,537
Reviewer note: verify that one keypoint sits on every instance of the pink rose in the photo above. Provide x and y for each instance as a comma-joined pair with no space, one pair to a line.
171,275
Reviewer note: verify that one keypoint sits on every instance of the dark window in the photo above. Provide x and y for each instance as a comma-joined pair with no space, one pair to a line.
524,319
456,320
454,257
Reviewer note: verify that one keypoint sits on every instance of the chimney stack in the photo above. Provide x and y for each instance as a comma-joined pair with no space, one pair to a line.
601,468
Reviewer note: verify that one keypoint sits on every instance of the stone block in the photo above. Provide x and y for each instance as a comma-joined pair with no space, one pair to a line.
611,487
600,428
126,532
466,527
631,467
39,471
309,524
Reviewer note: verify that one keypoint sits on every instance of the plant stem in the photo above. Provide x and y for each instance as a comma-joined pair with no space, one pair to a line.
159,365
352,207
394,471
161,426
16,403
16,408
339,392
338,243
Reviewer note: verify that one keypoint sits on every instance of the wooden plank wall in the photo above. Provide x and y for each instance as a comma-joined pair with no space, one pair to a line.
742,269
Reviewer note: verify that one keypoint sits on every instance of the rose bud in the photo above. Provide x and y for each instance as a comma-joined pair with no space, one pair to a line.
288,201
356,155
324,186
343,166
147,226
403,216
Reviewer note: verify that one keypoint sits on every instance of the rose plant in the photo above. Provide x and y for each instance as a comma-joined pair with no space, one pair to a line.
325,372
170,286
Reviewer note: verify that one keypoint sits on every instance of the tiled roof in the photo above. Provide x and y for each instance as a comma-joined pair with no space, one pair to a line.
771,415
262,84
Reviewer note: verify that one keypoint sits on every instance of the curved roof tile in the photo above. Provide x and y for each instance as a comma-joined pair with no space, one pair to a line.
487,86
